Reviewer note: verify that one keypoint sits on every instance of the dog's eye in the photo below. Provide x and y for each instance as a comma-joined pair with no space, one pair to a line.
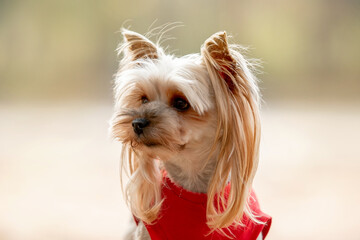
144,100
181,104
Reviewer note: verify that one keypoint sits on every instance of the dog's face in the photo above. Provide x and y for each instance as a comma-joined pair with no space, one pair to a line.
164,105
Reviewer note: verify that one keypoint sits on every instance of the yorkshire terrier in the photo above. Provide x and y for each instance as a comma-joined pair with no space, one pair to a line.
190,131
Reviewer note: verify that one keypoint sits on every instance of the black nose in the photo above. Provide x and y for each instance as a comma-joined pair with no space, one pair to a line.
139,124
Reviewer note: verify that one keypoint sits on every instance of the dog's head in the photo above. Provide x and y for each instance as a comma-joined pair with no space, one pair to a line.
164,105
197,106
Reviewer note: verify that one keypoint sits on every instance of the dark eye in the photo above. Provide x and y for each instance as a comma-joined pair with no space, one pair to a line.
144,100
180,104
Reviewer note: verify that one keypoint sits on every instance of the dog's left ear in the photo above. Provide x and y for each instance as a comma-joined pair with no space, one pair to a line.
216,54
136,46
236,96
227,63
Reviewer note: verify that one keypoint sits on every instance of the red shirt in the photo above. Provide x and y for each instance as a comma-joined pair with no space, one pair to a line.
183,217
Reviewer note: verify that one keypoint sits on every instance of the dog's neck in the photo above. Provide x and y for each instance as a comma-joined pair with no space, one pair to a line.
191,171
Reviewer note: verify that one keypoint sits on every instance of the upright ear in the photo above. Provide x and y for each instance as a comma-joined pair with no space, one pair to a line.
218,59
136,46
229,65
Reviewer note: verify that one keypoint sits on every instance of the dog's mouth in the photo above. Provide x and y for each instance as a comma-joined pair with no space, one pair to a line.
151,144
157,142
145,142
154,144
148,142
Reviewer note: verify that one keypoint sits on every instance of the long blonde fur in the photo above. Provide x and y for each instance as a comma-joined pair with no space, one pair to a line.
143,191
236,140
238,132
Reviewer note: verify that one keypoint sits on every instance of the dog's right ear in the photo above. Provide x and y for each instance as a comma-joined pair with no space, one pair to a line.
136,46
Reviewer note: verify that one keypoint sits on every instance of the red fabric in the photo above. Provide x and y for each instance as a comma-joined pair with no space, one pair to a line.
183,216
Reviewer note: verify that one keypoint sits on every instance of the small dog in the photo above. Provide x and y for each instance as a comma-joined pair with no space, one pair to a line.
190,132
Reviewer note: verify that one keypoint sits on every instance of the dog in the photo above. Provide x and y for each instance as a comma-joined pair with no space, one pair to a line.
190,132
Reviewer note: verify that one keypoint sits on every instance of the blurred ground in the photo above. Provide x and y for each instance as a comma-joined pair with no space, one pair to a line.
59,172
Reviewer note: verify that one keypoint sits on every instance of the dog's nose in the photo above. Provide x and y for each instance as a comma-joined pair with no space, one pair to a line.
139,124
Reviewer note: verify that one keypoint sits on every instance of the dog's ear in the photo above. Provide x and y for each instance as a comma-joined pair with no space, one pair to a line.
136,46
216,53
228,64
236,97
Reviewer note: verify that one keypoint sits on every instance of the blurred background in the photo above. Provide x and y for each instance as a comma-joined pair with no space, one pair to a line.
59,176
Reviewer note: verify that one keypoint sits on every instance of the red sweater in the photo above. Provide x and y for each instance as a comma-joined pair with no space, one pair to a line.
183,217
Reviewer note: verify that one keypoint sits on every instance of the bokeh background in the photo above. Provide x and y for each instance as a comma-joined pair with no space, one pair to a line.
59,176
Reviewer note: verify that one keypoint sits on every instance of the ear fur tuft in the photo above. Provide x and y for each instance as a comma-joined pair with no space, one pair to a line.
138,47
217,46
218,49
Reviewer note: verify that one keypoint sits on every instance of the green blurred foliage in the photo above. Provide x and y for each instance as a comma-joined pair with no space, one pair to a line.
66,49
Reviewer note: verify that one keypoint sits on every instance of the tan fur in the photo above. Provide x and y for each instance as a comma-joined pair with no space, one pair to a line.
238,131
139,47
215,140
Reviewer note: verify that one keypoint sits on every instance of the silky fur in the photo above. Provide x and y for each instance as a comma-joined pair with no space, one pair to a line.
203,148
